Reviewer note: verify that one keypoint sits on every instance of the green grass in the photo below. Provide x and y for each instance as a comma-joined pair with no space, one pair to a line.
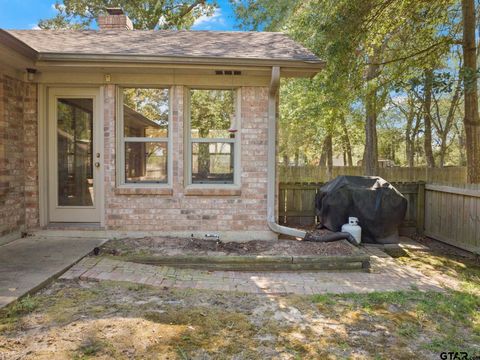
446,321
23,306
451,319
10,317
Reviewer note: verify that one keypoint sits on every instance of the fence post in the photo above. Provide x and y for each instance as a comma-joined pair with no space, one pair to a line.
421,208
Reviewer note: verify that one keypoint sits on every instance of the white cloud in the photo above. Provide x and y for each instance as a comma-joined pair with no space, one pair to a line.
34,26
208,22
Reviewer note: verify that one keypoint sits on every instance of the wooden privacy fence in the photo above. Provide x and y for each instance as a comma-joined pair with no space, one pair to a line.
296,203
452,215
308,174
448,213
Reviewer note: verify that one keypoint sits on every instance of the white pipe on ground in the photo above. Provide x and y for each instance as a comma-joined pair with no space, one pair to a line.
272,160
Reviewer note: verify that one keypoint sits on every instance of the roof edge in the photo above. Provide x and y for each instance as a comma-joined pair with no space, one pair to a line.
17,45
193,60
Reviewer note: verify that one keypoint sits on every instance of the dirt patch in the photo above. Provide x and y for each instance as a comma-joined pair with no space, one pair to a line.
438,247
111,320
180,246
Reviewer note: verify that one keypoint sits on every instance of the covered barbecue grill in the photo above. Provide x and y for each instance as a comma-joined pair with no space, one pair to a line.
379,207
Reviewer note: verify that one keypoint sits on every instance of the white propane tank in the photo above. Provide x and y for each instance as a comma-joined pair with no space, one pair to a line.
353,228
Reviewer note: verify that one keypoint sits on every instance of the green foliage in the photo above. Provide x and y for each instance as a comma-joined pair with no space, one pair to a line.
145,14
264,14
151,103
211,112
10,316
370,47
23,306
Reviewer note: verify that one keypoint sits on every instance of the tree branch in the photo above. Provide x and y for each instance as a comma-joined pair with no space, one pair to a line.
406,57
189,9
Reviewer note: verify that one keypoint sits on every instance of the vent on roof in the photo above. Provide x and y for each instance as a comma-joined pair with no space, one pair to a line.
228,72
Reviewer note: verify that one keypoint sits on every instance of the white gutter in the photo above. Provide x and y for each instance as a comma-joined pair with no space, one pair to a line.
272,160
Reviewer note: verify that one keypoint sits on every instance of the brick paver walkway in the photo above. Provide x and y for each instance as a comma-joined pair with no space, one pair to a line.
387,276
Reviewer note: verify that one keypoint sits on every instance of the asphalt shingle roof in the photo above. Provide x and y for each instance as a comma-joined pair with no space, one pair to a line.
208,44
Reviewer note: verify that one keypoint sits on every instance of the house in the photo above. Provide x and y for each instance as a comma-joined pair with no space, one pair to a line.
127,131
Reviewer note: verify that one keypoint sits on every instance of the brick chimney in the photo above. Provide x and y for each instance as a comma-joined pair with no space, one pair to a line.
114,19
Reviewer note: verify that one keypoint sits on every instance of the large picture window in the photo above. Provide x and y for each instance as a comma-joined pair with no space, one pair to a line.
144,136
212,136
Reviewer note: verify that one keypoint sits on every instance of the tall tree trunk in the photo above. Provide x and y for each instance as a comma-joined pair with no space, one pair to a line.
329,152
326,159
443,125
370,155
323,157
409,142
443,152
427,118
461,145
203,160
411,129
471,120
346,143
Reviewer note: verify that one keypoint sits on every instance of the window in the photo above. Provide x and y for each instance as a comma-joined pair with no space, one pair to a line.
144,136
212,136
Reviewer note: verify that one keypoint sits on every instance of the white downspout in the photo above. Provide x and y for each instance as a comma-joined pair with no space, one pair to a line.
272,160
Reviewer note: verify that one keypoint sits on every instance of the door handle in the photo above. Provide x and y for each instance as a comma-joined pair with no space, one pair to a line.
97,164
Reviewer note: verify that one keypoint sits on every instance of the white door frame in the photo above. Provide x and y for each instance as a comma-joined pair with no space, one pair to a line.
47,143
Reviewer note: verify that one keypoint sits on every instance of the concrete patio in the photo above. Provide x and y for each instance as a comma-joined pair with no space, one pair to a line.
29,263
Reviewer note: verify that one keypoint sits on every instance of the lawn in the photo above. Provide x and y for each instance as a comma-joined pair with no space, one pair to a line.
84,320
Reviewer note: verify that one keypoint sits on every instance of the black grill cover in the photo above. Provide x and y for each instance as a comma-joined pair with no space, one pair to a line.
379,207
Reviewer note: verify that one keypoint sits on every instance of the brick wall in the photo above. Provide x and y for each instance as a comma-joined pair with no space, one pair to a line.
18,155
179,212
114,22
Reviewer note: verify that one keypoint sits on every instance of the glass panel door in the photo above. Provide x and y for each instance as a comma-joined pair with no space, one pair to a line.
75,152
75,162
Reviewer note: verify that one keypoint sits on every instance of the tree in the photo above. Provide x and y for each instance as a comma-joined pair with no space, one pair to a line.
303,127
471,117
443,119
212,113
145,14
367,46
371,48
405,102
370,155
427,116
346,144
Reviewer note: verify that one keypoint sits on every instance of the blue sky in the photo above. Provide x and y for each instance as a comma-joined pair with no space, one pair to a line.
25,14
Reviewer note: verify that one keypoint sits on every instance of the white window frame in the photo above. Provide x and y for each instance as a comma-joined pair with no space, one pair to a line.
122,139
235,141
